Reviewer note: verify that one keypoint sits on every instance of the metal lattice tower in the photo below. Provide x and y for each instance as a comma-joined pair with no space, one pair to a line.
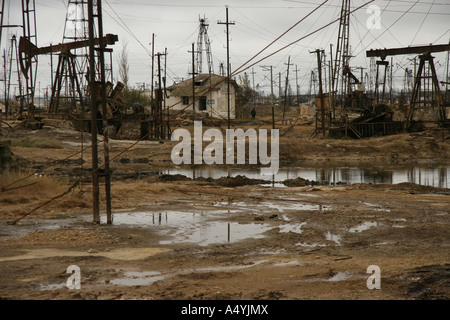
342,50
76,29
70,82
203,36
28,63
70,85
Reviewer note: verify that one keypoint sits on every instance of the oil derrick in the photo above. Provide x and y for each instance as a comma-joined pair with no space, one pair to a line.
342,56
70,85
203,36
28,63
10,55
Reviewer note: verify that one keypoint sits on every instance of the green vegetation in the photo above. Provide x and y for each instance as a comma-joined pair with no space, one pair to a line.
36,142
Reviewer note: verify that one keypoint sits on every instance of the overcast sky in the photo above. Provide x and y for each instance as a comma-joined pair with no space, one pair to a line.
175,24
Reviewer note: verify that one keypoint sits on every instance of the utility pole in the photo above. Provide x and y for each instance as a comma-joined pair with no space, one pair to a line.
279,88
227,23
254,92
286,88
193,76
158,115
101,55
271,93
93,105
321,97
296,85
153,68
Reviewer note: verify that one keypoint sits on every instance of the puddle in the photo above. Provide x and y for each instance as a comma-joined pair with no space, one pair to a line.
310,245
364,226
294,205
289,263
341,276
173,218
216,232
438,176
135,278
52,286
279,205
335,238
143,278
376,207
296,228
201,227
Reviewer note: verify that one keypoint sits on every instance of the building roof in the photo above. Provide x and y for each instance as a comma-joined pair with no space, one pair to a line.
203,84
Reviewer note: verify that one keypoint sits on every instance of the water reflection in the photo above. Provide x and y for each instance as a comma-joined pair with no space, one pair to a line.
435,177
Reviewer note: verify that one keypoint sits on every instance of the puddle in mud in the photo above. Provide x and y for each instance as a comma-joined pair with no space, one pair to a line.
201,227
281,205
376,207
295,205
341,276
289,263
143,278
135,278
295,228
362,227
215,232
52,286
335,238
438,176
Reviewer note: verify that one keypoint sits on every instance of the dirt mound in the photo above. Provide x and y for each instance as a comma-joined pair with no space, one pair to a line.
299,182
404,186
237,181
172,177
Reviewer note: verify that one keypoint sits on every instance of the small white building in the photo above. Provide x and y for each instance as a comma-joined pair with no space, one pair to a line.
211,96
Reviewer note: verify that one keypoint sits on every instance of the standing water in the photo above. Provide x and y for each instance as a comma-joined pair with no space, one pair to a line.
435,177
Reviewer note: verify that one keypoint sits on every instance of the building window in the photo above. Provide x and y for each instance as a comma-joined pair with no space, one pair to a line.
185,101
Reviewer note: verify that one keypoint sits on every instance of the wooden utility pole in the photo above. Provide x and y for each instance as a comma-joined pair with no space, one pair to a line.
158,115
153,62
321,97
286,88
93,106
296,85
104,114
254,91
193,76
228,23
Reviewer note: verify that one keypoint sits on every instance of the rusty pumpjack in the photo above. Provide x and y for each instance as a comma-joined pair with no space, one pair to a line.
27,50
437,103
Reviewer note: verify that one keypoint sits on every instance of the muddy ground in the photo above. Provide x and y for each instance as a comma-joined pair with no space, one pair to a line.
177,238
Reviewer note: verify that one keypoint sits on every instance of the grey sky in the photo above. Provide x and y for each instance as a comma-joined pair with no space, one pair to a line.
257,23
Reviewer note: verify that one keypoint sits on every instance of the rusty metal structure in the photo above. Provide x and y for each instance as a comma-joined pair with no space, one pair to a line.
426,94
203,37
29,62
339,79
66,62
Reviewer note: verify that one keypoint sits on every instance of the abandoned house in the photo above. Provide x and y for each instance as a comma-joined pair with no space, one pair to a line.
211,96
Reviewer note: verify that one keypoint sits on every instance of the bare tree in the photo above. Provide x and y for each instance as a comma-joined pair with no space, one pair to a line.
123,65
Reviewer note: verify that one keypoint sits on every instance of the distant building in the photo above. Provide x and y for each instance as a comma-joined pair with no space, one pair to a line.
210,95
